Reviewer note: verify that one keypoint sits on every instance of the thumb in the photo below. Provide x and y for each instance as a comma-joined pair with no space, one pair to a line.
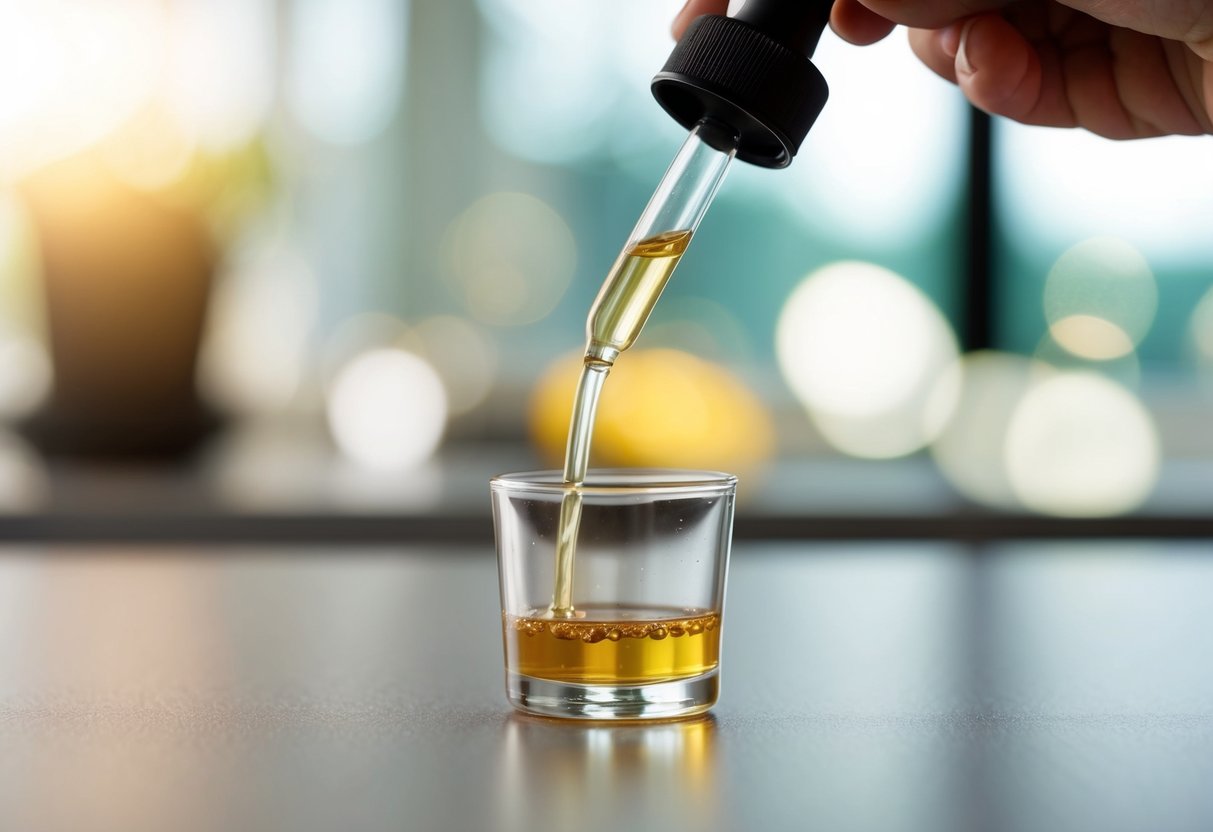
692,10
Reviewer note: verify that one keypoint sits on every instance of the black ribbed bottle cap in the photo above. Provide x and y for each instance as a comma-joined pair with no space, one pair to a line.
731,71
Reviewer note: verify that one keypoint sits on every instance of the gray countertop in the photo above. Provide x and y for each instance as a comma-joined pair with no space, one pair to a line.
890,686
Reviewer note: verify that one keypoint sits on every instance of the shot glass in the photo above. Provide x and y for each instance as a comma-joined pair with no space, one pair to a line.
633,630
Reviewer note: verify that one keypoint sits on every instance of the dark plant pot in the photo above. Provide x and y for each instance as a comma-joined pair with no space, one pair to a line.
127,277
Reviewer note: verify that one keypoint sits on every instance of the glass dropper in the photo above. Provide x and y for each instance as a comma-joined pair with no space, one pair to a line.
643,268
745,88
627,297
660,237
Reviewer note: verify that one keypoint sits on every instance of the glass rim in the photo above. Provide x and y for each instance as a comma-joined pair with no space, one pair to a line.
617,481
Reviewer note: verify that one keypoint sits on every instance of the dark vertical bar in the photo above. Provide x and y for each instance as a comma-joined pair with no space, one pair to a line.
977,296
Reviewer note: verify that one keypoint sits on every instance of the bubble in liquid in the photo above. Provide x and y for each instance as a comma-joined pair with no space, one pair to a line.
593,632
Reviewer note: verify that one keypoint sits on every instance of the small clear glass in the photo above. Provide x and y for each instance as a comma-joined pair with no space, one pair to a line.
643,638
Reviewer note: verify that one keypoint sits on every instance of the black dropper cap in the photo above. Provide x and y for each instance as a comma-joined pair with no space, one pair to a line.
752,72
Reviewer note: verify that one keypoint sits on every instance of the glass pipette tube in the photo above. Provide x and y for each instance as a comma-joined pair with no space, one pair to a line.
624,303
658,241
643,268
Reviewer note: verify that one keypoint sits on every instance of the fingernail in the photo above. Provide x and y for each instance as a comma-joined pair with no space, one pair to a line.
963,64
949,39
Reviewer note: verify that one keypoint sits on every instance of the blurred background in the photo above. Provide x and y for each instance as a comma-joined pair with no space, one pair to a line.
276,268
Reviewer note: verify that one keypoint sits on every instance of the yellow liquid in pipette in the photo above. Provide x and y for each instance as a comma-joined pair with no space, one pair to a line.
623,305
632,288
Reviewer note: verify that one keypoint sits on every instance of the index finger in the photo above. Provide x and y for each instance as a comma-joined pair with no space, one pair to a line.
931,14
692,10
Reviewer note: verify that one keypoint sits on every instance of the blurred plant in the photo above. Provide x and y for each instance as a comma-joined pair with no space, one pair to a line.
129,131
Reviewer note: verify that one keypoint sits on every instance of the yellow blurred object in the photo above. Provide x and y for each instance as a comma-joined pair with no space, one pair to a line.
663,408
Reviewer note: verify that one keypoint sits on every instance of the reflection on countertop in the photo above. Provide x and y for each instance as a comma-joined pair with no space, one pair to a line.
896,686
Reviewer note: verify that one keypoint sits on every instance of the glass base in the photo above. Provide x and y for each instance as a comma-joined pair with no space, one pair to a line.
661,700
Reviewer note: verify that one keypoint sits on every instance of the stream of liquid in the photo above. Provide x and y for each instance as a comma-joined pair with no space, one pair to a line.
628,295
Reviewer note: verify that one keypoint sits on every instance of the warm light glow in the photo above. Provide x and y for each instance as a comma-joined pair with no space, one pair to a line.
20,256
387,410
463,355
255,351
76,72
1088,336
1103,278
661,408
510,257
970,452
863,349
150,151
72,73
347,67
1080,445
220,80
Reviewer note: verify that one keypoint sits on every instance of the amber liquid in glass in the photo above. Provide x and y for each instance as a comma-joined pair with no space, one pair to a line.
614,644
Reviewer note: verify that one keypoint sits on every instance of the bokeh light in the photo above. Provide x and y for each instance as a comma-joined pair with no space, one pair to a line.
462,353
25,375
970,452
23,479
21,294
881,187
387,410
150,151
510,258
358,334
221,69
1080,445
79,72
347,63
1061,185
544,88
73,72
559,79
1099,295
661,408
267,465
1088,336
863,349
700,326
255,350
1122,367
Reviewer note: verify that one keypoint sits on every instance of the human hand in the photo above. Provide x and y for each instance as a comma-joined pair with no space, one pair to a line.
1120,68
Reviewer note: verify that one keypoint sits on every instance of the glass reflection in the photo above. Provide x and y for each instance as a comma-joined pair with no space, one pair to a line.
564,775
